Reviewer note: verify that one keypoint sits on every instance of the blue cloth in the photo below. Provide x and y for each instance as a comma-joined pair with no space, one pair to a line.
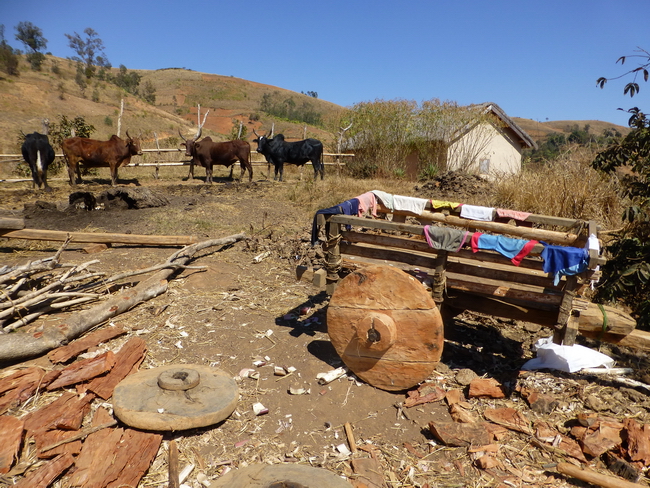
508,246
567,261
349,207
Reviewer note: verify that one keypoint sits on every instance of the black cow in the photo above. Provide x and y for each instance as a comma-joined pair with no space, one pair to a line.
277,152
38,153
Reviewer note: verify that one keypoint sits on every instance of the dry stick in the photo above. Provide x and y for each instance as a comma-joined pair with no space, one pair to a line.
350,434
80,435
173,465
22,346
127,274
585,474
35,266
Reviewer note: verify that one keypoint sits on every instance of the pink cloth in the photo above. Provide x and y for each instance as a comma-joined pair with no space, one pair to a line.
474,241
367,201
512,214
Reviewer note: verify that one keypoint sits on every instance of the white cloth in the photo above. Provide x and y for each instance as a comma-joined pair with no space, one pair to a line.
409,204
386,198
566,358
474,212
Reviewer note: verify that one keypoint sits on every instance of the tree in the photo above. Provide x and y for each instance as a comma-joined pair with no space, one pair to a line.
32,37
626,276
8,58
631,88
90,51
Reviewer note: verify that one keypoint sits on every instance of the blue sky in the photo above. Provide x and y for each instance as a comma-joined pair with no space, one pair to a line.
538,60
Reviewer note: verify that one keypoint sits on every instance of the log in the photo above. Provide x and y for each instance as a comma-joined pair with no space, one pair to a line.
56,235
17,346
590,322
11,224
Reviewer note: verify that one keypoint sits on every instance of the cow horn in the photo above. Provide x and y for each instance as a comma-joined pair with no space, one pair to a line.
127,134
179,133
256,134
198,134
272,130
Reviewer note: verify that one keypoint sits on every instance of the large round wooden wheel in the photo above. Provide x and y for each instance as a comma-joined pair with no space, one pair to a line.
386,327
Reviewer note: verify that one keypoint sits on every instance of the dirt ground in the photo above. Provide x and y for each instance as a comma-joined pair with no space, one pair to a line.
239,313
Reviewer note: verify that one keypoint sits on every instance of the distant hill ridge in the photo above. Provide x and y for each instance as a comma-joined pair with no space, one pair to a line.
51,92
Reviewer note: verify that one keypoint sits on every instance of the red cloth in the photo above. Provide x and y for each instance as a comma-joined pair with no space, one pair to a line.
524,252
475,237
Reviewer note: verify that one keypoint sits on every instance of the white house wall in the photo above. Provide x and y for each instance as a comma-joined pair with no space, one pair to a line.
485,142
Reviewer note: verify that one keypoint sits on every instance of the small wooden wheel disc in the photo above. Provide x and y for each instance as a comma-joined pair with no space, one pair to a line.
386,327
175,397
280,476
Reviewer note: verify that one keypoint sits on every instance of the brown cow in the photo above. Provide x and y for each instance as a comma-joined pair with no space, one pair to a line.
113,153
208,153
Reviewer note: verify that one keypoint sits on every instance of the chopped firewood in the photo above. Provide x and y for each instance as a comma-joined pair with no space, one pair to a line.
350,434
510,418
66,412
368,471
45,439
46,474
461,414
454,396
127,361
426,393
547,434
11,433
84,370
20,386
485,388
638,441
460,435
63,354
106,454
605,437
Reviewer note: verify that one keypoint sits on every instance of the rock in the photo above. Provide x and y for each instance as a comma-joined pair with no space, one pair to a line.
465,376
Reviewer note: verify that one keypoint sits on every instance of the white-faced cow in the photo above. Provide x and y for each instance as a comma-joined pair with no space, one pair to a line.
277,152
208,153
38,154
113,153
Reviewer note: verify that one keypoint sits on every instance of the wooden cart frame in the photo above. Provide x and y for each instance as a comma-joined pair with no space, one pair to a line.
484,281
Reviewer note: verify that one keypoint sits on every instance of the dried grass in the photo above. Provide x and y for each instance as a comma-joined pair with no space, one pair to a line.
566,187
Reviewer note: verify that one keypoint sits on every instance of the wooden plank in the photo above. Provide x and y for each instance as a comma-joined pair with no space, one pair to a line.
563,238
465,283
55,235
11,224
63,354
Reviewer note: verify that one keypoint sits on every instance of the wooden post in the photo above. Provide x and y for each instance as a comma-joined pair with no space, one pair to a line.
119,118
566,329
439,278
332,253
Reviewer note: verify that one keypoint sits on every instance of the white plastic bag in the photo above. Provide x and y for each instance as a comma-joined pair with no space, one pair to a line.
566,358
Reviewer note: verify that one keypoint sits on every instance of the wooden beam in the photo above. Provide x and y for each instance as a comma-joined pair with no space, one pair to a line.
55,235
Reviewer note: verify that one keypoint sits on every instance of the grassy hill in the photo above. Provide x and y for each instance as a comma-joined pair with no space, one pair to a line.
26,99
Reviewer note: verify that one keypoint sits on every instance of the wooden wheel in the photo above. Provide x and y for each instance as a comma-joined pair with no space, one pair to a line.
386,327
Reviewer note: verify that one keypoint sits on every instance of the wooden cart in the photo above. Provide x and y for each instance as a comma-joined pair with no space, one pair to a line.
483,281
